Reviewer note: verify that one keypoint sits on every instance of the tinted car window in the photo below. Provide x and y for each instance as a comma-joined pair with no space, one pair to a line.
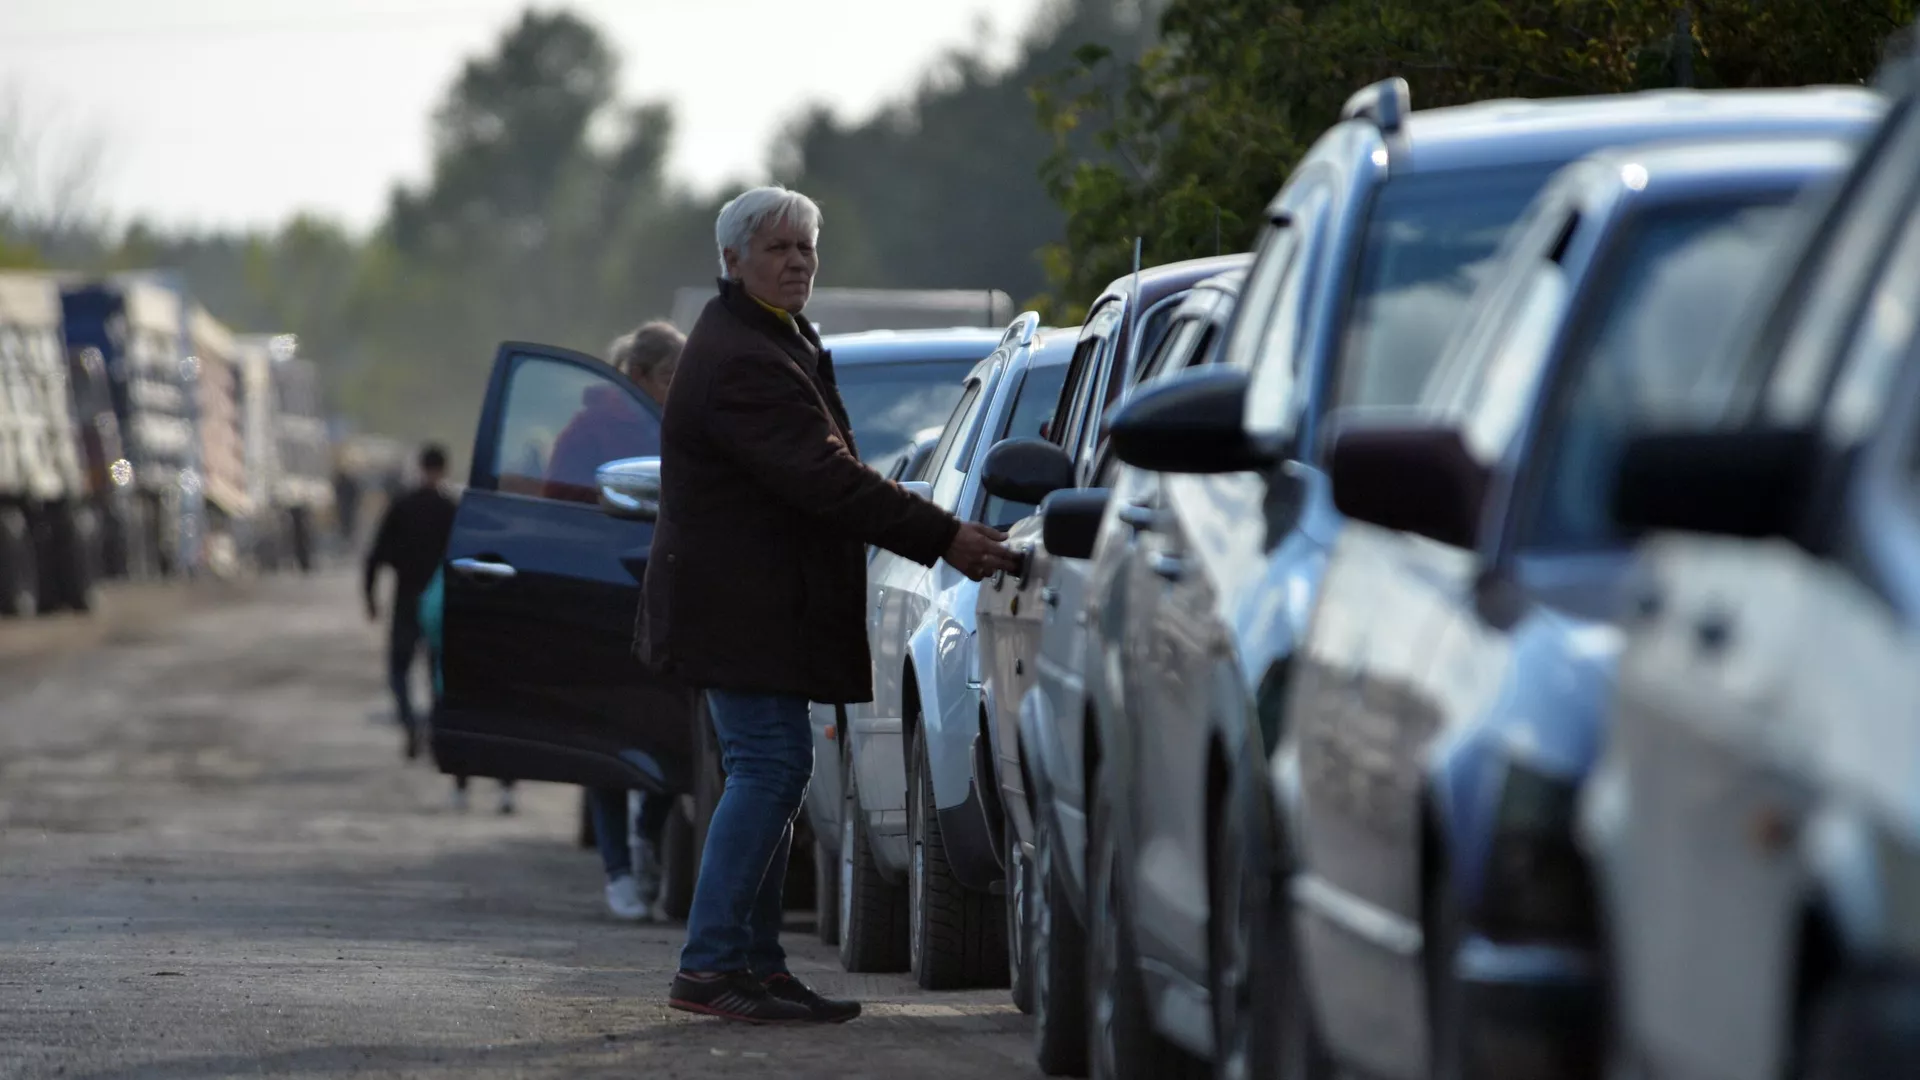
1673,300
561,423
1173,348
1431,241
1039,389
950,468
889,403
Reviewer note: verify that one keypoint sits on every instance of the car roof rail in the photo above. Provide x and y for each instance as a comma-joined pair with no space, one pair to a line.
1386,103
1021,330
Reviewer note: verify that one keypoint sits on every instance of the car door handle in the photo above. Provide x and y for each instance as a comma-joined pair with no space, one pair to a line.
1167,566
486,568
1136,516
1050,596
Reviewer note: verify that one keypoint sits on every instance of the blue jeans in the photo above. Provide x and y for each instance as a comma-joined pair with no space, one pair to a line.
608,807
766,745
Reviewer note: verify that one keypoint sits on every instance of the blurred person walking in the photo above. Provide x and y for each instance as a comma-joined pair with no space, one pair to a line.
411,539
606,429
755,588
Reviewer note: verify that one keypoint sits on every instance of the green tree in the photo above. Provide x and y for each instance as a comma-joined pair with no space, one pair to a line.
1200,131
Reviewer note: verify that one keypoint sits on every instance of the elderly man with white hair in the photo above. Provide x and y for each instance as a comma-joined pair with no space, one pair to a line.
756,588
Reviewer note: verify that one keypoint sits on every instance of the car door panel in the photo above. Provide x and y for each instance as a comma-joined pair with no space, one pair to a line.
541,590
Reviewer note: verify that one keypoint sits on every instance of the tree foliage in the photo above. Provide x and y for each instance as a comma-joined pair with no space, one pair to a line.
1202,129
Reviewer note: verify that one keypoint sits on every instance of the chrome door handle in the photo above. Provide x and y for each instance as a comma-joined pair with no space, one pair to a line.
1050,596
1136,516
486,568
1171,567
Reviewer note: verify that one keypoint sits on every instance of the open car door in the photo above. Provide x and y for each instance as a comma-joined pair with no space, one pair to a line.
542,586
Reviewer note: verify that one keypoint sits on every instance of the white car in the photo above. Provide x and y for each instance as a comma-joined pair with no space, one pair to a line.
917,861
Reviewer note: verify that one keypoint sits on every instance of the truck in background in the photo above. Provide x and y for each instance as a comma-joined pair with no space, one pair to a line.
289,450
48,535
226,509
137,328
845,311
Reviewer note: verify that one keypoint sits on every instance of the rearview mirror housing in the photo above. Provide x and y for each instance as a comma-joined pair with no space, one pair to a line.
1025,470
1192,423
1414,477
1751,483
630,488
1070,521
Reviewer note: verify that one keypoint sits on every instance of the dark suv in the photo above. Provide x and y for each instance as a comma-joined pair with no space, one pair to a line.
1221,946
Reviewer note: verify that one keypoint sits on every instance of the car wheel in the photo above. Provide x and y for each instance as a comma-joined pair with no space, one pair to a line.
73,548
1122,1044
1019,907
584,836
1444,1049
826,894
19,567
957,935
1866,1026
1059,953
1241,932
679,862
873,912
1303,1055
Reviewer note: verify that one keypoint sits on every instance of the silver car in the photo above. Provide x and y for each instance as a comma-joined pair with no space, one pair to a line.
915,836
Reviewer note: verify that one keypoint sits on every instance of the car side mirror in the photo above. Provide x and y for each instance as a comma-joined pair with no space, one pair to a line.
1414,477
1070,521
630,488
1192,423
1025,470
1751,483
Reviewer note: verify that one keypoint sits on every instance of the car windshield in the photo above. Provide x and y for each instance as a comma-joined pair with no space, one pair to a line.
1657,356
891,403
1430,243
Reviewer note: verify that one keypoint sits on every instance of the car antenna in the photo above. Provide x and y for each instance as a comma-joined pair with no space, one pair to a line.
1133,319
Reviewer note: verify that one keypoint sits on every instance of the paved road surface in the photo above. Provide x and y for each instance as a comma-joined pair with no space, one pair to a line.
212,863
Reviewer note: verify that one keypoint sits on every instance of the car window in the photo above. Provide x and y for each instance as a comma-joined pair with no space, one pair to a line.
1882,341
561,422
889,403
1507,385
1275,322
939,462
1431,241
1174,348
1669,304
1153,332
1090,359
1039,389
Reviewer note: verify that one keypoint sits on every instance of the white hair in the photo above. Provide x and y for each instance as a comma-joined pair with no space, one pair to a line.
749,211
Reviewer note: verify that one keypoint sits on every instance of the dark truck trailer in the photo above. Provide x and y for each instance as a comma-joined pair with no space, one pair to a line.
47,525
128,335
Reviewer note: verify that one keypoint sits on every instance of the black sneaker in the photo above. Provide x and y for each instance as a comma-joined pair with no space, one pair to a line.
734,995
824,1010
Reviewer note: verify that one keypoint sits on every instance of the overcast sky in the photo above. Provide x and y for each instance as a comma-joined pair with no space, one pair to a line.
240,112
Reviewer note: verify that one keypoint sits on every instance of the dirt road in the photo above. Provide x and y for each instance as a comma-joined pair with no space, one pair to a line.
213,863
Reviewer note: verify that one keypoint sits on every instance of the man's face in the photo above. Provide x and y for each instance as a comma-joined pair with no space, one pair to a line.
779,265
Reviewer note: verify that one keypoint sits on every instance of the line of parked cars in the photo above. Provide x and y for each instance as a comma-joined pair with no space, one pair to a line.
1470,635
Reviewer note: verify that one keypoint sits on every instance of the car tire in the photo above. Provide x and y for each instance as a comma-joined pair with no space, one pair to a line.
709,778
19,565
873,912
1866,1026
1058,953
1445,1051
1019,904
1121,1041
1241,930
958,936
584,835
826,894
679,862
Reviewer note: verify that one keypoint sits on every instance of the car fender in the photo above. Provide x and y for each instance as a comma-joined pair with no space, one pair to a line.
823,793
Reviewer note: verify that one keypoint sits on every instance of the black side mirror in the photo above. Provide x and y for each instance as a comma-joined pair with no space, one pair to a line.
1192,423
1747,483
1026,470
1070,521
1413,477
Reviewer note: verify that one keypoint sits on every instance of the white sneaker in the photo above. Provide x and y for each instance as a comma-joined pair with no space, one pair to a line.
623,899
